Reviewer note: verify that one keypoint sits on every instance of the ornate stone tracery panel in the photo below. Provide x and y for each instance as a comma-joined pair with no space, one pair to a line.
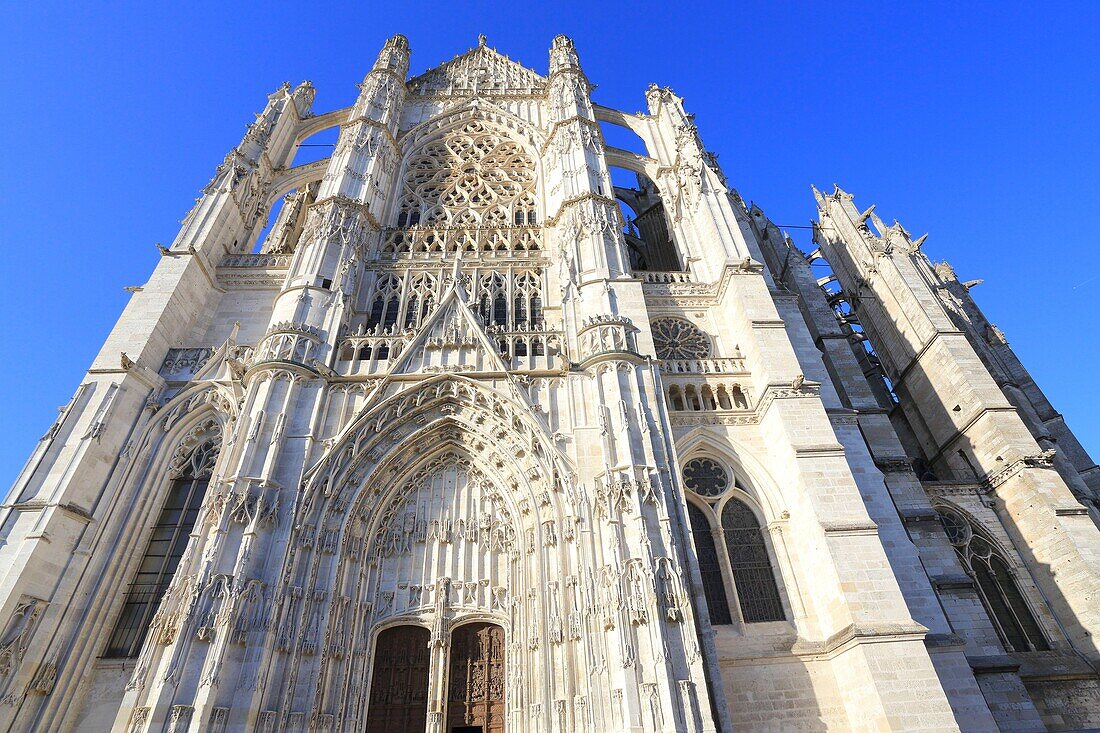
676,338
472,176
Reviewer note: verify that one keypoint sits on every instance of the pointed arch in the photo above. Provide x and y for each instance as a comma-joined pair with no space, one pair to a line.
995,577
168,484
757,483
472,167
447,463
726,514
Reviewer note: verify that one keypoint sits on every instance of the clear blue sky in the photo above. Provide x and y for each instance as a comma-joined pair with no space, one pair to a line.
978,125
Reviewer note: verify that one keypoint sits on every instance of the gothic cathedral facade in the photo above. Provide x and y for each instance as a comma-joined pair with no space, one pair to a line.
473,440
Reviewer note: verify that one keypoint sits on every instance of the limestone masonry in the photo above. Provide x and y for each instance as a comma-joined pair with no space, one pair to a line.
472,440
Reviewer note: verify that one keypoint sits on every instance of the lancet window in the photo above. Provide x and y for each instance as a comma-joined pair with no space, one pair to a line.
163,552
996,584
470,177
422,293
723,513
511,303
385,304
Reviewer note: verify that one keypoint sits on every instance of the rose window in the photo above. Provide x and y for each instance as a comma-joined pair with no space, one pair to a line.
470,177
676,338
706,477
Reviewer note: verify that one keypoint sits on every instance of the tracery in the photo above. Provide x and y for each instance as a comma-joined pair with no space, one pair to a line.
724,513
676,338
471,177
996,584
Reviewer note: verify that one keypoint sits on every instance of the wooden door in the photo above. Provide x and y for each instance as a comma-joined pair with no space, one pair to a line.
399,686
475,681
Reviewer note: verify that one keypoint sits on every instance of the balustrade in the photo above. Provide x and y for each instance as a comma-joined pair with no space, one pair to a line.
523,241
527,350
267,261
726,365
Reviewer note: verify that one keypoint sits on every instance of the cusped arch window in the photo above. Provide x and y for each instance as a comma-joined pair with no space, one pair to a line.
996,584
168,540
730,545
676,338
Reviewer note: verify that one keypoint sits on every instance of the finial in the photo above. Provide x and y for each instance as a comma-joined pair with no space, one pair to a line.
481,40
456,270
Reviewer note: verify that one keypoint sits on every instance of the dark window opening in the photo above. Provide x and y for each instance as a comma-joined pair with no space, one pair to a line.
520,312
376,309
997,588
389,316
648,236
714,589
162,555
757,591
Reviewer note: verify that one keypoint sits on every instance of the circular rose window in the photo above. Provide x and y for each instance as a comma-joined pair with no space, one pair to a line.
676,338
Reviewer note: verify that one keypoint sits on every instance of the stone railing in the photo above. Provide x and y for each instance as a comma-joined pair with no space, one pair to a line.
267,261
722,365
706,396
426,242
288,341
666,277
533,350
605,334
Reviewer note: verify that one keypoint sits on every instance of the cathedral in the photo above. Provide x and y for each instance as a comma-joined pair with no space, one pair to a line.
449,432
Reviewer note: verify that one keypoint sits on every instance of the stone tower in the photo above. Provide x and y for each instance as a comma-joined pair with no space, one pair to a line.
461,436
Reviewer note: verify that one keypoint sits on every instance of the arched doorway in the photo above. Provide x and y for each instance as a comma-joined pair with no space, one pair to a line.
475,680
399,685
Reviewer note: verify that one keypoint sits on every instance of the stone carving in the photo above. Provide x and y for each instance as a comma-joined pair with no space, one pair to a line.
483,72
676,338
16,635
471,177
183,364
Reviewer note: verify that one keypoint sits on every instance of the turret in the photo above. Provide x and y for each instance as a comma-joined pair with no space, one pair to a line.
383,87
235,200
581,197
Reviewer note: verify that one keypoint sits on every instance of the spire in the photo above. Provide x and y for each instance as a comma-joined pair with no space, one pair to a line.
563,55
394,56
303,97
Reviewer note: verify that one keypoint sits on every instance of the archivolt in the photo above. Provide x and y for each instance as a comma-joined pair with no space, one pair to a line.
356,513
505,426
505,121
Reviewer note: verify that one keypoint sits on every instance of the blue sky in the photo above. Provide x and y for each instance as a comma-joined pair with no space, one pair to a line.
975,123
